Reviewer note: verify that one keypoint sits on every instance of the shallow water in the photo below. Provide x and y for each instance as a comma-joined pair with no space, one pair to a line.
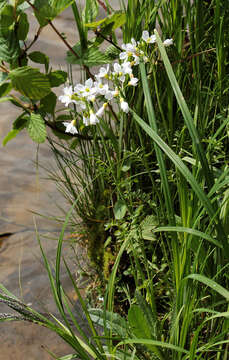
23,189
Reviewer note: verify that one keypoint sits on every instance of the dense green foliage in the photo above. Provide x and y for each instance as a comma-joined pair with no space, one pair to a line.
150,186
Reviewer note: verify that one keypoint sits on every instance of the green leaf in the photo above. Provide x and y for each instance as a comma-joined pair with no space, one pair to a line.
91,57
36,128
90,11
140,327
224,213
11,135
3,77
20,122
5,89
48,9
118,19
48,103
3,3
7,98
23,26
6,18
193,232
120,209
9,47
137,321
40,58
30,82
211,283
113,321
57,78
112,52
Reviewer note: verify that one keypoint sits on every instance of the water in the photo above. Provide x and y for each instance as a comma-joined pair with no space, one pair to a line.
23,189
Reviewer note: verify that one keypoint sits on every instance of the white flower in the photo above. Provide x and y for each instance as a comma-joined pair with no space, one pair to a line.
148,39
101,88
133,81
100,112
110,94
86,121
130,49
67,97
124,105
103,72
70,127
93,118
87,91
168,42
118,71
126,68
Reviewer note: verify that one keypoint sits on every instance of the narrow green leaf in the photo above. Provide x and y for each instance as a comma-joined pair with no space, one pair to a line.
90,11
36,128
211,283
186,113
152,342
189,231
184,171
11,135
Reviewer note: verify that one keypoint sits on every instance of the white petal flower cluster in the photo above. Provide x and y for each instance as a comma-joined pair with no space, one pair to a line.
92,97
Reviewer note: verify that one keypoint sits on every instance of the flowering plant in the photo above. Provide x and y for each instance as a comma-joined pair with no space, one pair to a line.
145,167
99,92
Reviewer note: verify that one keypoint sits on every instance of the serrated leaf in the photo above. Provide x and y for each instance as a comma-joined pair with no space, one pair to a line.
112,52
48,9
113,321
2,4
138,323
36,128
5,89
39,58
118,18
120,209
147,226
11,135
30,82
9,47
91,57
57,78
48,103
104,32
23,27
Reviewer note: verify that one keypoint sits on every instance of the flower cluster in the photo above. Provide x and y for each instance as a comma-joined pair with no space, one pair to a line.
109,84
